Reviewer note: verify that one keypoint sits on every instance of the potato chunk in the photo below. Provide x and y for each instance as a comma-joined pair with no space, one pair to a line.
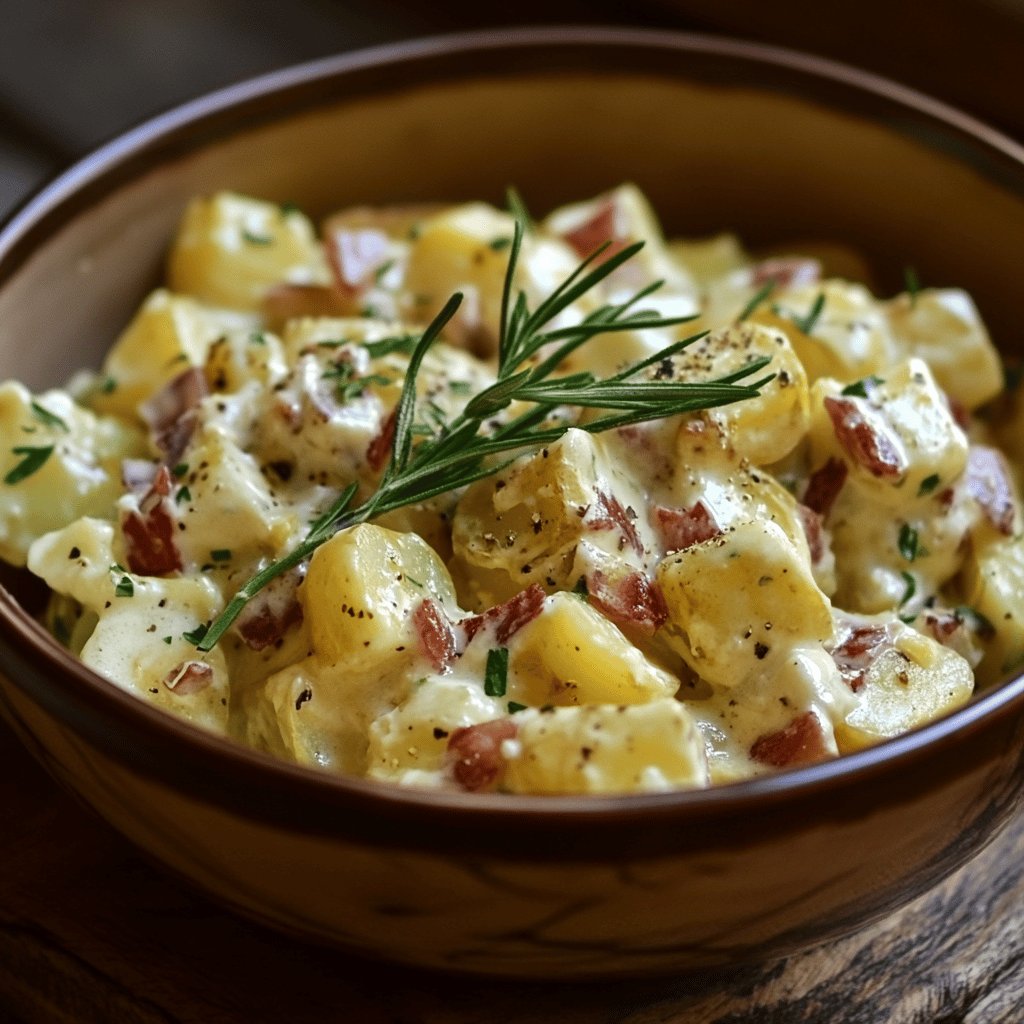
231,249
605,749
361,591
571,654
734,599
993,584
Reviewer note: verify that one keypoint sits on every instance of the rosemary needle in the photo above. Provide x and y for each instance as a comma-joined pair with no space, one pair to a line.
530,351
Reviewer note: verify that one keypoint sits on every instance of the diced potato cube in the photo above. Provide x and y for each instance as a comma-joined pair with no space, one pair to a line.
525,522
763,429
895,439
62,462
238,358
911,682
849,339
993,584
572,654
605,749
942,326
225,502
709,258
168,334
361,591
78,561
734,599
231,249
414,737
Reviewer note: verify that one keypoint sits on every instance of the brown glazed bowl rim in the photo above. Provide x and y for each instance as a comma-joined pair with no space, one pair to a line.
250,784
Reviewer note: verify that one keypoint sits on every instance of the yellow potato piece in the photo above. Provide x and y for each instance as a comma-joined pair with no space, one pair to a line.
571,654
734,599
912,683
230,250
993,584
361,591
606,749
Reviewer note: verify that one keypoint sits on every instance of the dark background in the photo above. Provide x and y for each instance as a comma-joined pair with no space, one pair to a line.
75,72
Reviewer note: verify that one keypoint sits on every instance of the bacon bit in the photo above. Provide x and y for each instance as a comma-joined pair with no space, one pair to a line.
379,450
437,639
602,226
474,753
171,413
824,486
275,609
632,601
988,483
510,617
353,255
801,742
681,528
812,524
607,513
866,444
189,677
857,651
787,271
286,302
149,532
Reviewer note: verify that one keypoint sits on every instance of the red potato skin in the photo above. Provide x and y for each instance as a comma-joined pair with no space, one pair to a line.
474,753
801,742
870,448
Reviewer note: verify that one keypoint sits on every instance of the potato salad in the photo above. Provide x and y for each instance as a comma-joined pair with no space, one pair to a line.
543,578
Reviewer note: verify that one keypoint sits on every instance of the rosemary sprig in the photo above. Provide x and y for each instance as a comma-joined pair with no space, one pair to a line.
531,349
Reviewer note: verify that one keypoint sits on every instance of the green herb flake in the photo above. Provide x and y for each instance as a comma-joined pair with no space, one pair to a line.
108,385
195,636
221,554
496,672
756,299
124,588
580,589
180,469
912,284
168,640
460,387
910,587
928,484
369,311
498,244
254,239
404,343
807,323
257,338
862,388
382,271
184,494
514,707
48,418
289,209
909,542
32,460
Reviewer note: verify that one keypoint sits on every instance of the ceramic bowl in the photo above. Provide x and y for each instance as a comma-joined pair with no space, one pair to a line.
719,134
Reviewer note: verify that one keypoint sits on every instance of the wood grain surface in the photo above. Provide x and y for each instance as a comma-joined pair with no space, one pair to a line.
92,933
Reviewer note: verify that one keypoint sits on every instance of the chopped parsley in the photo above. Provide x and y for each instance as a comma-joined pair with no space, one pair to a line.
32,459
180,469
195,636
460,387
254,239
909,590
381,272
862,388
498,244
347,385
184,494
124,588
514,707
909,542
257,338
496,672
221,555
168,640
928,484
47,417
289,208
108,385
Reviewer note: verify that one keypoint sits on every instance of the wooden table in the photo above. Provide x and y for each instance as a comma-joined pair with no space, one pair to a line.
92,933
